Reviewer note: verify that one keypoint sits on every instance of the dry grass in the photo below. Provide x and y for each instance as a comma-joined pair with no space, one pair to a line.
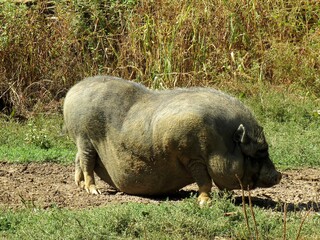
46,46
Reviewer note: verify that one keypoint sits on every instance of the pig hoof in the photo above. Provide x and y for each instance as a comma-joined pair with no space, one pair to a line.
93,190
77,183
80,184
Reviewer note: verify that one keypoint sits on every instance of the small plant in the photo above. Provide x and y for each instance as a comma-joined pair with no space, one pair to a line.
37,136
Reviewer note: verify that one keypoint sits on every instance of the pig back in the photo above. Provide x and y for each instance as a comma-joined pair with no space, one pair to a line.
97,104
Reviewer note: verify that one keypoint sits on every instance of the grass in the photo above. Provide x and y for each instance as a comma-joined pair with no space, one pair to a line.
167,220
291,124
37,140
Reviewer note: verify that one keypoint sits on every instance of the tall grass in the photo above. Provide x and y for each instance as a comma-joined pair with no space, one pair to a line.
46,46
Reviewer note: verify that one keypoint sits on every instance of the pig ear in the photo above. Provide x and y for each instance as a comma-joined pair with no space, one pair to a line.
240,134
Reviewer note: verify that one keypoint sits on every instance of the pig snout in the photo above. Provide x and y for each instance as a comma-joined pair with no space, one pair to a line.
269,179
276,178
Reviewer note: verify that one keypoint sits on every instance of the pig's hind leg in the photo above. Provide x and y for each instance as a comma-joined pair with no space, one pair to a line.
84,165
78,176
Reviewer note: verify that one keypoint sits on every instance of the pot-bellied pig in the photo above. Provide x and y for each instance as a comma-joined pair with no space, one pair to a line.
147,142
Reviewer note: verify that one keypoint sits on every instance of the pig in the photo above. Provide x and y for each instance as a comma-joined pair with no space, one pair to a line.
154,142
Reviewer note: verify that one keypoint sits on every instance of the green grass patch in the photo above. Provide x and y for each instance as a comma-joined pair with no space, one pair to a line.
39,139
292,125
167,220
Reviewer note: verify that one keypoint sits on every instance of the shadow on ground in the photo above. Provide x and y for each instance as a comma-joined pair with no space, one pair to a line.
279,206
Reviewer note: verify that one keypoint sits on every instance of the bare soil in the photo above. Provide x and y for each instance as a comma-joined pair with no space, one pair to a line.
48,184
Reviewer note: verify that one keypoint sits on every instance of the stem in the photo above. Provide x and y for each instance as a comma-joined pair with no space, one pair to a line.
244,206
302,222
285,222
253,216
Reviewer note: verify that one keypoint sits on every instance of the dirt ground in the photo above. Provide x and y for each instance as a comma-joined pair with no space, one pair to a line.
46,185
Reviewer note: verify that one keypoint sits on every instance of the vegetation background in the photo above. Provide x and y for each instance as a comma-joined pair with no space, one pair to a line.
267,53
240,45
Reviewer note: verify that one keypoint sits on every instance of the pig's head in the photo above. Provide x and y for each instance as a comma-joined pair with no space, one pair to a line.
259,169
251,141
